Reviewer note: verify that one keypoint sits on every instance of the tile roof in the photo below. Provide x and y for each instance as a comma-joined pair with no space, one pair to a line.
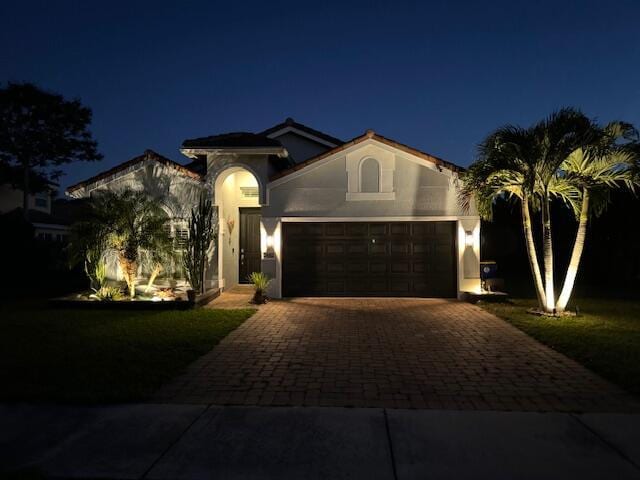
232,140
290,122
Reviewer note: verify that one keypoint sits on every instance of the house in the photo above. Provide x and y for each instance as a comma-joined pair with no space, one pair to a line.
47,224
320,216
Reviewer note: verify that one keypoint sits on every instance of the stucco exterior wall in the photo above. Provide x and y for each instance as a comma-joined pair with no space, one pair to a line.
411,190
419,191
176,194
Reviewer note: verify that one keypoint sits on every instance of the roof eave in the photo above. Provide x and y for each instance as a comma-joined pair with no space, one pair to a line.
193,152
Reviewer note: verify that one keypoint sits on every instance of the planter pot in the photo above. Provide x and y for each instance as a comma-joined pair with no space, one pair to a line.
259,298
191,296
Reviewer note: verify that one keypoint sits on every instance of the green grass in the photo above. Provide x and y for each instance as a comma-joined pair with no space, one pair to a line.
102,356
605,337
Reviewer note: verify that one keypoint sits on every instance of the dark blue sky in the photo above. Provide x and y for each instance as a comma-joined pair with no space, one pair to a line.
435,75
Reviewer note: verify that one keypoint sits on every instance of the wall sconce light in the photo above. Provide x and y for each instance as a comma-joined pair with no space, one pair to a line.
468,238
270,253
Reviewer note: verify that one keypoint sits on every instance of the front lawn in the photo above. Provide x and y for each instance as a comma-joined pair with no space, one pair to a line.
102,356
605,337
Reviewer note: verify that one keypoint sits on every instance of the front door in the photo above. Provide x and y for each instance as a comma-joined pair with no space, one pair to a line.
249,243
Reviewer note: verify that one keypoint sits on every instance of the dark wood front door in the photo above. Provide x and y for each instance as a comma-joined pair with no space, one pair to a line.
394,259
249,243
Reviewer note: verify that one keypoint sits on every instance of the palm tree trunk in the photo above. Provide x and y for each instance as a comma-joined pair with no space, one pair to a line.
547,246
152,278
576,254
531,252
130,272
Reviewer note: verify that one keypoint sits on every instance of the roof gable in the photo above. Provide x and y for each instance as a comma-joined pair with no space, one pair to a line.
370,135
125,167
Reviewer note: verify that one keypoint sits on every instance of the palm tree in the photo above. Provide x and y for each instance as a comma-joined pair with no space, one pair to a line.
522,164
607,163
126,222
506,168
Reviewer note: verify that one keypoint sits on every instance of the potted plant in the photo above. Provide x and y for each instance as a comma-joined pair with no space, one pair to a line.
260,283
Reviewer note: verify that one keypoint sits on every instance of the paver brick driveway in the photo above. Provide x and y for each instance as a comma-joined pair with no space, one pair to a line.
404,353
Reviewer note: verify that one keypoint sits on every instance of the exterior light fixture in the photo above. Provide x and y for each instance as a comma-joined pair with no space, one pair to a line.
269,252
468,238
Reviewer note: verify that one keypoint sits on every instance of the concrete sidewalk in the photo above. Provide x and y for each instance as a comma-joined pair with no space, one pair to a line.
202,442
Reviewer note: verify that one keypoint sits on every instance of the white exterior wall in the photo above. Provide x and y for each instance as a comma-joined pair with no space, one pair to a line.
415,190
411,189
175,193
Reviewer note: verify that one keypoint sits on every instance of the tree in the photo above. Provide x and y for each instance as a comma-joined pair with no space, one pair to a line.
38,132
126,222
607,163
523,164
201,234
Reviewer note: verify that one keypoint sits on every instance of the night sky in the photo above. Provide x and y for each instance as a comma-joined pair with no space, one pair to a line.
435,75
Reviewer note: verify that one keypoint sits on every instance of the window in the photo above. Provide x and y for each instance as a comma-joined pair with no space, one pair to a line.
249,192
370,176
181,234
178,230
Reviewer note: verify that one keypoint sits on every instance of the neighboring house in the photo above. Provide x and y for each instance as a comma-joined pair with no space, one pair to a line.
320,216
42,215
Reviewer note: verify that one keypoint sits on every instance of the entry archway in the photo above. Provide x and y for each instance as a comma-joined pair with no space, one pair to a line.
237,194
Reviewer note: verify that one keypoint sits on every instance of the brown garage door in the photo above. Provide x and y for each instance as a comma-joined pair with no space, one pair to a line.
414,259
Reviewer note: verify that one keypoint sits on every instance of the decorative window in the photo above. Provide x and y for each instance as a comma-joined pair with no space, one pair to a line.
370,176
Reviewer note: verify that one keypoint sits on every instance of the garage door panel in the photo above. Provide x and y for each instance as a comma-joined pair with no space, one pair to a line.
333,267
378,285
335,229
400,286
336,287
400,267
400,248
357,268
378,248
377,267
379,229
400,229
356,229
357,248
369,259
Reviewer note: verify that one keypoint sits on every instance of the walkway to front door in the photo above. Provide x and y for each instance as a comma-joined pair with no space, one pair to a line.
403,353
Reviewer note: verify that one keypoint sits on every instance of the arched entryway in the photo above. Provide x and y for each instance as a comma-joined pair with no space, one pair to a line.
237,194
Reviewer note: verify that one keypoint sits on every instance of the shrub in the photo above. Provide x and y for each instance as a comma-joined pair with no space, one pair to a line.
260,283
107,293
202,232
